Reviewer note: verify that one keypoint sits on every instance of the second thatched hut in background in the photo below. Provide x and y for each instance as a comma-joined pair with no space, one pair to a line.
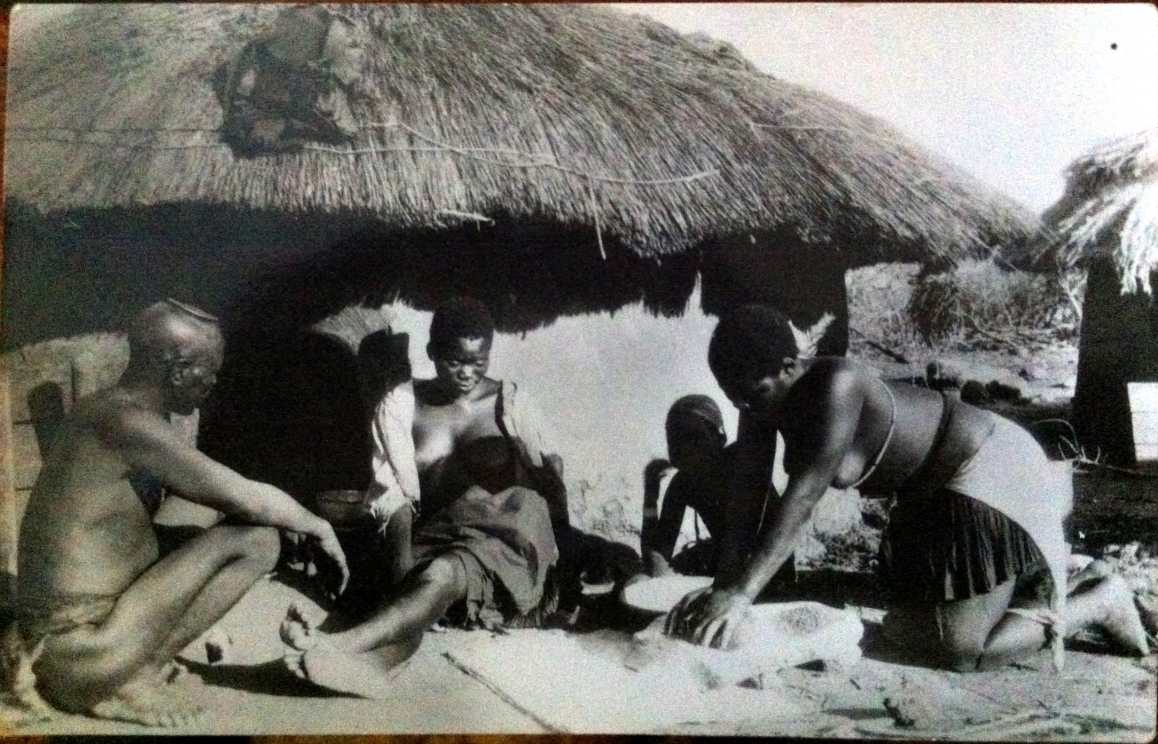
1107,222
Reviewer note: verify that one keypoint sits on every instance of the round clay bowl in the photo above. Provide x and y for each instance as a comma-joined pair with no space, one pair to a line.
658,595
345,508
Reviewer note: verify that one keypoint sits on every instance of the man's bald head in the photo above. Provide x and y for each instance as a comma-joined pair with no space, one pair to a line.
179,348
169,331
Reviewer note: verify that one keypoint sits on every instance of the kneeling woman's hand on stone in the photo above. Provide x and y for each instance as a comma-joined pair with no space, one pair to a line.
709,617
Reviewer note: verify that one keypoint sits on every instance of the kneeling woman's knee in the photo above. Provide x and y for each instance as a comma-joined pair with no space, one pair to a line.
962,653
923,630
965,660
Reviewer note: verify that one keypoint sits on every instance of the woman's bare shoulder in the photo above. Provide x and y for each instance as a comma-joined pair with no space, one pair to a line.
829,377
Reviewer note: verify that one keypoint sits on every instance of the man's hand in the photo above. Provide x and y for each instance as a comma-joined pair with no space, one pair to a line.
325,541
709,617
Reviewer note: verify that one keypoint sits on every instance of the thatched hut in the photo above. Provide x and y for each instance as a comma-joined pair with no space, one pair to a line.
1107,222
628,147
279,164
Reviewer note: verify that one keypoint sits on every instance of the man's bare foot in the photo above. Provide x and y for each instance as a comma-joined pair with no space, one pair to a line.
17,679
296,631
1121,620
315,657
140,702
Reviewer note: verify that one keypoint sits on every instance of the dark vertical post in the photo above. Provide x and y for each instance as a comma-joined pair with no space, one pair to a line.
1119,344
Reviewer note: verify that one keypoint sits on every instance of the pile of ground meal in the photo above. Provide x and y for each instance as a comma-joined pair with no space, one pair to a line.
799,620
1135,563
774,637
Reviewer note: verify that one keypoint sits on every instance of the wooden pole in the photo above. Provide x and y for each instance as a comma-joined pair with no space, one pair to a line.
8,531
1119,345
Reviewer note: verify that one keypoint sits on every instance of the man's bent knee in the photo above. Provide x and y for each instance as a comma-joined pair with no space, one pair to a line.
262,545
259,544
75,682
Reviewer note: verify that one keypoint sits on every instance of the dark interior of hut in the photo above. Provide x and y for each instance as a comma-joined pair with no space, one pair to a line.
774,268
288,408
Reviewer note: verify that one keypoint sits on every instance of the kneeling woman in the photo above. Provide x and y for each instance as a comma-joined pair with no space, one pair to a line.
978,512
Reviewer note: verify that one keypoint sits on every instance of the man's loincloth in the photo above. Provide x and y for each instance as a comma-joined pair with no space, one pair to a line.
39,616
506,546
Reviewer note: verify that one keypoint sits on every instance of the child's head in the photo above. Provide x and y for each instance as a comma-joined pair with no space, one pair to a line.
695,432
461,332
750,344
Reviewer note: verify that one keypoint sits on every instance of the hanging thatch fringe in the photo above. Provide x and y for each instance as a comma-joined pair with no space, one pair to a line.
474,216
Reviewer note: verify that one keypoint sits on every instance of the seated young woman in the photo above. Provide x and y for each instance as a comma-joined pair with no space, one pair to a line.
493,515
978,513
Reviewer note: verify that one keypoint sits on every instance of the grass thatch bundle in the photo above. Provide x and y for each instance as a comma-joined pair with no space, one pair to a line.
986,304
1110,209
434,115
353,323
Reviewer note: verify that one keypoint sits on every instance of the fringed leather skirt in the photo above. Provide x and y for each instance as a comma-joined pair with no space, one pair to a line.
944,546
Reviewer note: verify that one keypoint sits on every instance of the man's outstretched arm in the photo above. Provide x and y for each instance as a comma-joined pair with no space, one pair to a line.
146,441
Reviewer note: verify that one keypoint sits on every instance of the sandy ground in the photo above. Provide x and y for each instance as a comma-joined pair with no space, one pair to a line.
1097,697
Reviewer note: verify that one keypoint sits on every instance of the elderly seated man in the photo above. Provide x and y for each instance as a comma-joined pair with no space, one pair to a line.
101,613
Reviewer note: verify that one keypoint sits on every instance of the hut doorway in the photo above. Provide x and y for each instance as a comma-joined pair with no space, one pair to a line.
290,413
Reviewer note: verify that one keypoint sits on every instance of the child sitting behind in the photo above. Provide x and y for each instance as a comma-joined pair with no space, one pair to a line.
696,445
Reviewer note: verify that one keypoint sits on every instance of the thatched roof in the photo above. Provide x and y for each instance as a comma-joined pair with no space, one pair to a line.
574,115
1110,209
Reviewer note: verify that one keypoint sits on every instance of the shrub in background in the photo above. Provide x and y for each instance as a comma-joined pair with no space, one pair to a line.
980,300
